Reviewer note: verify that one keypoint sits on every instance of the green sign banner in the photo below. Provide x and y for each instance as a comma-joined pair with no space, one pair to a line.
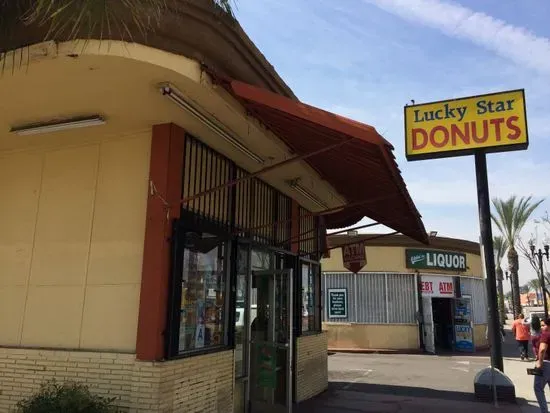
337,302
435,260
267,365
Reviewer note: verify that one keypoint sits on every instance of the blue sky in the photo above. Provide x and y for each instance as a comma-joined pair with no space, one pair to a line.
366,59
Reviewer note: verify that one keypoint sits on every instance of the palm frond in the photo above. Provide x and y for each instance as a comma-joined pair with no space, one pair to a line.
500,246
512,214
73,19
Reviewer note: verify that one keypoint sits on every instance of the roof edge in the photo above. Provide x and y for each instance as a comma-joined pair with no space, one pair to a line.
398,240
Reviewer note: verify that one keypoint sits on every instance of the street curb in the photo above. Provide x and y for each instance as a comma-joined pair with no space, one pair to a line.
375,351
390,351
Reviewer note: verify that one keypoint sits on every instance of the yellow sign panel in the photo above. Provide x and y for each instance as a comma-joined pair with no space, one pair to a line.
495,123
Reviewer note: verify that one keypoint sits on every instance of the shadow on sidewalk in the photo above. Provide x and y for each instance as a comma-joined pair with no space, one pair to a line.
404,391
369,398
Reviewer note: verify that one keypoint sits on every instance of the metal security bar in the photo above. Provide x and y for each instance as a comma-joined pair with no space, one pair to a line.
253,207
308,238
476,288
374,298
205,169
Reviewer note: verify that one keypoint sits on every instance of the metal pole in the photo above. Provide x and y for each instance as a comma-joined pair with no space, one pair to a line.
542,284
488,251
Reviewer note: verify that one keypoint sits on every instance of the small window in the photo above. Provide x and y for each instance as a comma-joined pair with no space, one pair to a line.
201,273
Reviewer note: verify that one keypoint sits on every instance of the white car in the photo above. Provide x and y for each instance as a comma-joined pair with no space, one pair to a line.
539,314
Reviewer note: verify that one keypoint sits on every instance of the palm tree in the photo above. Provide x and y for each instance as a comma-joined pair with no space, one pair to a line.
86,18
510,217
500,246
536,286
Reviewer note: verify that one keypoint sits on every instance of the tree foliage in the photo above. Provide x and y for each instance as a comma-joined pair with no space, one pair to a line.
511,216
500,246
77,18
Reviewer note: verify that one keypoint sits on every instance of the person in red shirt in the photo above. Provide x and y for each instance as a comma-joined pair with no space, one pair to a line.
521,331
541,344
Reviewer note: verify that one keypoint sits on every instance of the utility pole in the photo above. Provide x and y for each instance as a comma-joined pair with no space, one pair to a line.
489,255
539,254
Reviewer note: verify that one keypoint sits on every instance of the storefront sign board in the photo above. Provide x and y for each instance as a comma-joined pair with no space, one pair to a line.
354,256
495,122
437,286
337,302
435,260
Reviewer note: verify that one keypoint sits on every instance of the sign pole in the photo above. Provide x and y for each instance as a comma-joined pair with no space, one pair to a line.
488,251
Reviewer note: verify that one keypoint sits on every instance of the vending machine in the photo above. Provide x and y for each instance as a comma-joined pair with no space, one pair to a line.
463,324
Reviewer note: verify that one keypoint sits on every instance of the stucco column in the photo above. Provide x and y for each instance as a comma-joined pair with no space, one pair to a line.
165,182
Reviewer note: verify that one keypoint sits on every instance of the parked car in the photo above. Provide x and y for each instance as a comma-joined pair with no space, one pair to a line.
539,314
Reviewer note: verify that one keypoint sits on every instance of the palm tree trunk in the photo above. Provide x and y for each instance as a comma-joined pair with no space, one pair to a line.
513,266
501,309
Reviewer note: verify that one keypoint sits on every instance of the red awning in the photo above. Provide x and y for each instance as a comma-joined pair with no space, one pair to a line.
363,169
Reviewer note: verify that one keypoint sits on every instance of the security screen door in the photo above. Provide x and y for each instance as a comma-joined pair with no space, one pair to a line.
428,324
271,374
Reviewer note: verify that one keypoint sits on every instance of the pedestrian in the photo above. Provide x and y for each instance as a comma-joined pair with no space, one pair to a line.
541,343
521,332
536,331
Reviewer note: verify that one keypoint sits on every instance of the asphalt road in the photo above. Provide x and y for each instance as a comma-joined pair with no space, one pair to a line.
445,378
439,377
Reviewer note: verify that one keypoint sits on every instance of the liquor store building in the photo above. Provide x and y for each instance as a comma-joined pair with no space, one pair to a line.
164,209
407,298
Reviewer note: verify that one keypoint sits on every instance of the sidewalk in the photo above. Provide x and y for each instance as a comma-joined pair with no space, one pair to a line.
515,369
343,400
357,402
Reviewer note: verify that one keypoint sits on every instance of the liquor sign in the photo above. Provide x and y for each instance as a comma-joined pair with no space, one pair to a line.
436,286
354,256
435,260
337,303
495,123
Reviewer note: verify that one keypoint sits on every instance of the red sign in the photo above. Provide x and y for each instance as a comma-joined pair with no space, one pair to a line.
355,257
437,286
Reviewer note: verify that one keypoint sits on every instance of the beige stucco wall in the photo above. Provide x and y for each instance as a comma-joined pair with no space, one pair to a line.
71,244
392,259
480,335
350,336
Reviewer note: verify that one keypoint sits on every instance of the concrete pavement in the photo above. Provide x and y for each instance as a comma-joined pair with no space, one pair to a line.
361,383
382,383
515,369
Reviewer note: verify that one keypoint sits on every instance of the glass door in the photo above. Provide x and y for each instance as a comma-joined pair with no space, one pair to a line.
428,325
271,342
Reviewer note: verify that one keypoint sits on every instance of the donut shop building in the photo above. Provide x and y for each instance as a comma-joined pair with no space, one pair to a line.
165,205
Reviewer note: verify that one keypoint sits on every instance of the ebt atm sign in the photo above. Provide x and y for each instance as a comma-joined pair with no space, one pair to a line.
495,122
434,286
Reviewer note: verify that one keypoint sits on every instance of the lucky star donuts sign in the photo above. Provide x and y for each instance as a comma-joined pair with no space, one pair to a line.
495,123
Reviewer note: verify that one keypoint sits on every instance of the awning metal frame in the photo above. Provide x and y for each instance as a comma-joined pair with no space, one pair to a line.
262,171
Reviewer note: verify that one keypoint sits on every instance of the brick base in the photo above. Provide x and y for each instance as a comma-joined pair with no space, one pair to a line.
311,366
191,385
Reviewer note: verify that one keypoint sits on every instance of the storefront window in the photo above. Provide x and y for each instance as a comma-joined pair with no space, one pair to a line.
308,297
202,310
240,315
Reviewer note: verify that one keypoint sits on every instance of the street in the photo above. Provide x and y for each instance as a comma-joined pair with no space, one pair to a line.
386,383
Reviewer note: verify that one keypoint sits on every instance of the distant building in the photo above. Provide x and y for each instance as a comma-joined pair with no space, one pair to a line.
408,296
